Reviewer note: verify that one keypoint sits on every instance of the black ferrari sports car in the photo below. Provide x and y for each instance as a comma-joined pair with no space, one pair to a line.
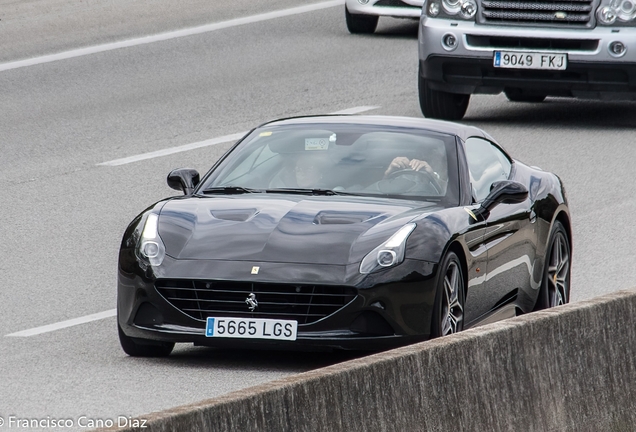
351,232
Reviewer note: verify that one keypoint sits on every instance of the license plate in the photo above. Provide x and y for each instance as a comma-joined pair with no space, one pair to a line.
526,60
251,328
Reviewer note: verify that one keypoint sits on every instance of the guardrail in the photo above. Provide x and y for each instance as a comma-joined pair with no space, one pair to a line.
570,368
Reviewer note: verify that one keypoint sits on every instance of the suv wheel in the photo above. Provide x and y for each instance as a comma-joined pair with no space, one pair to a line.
360,24
441,105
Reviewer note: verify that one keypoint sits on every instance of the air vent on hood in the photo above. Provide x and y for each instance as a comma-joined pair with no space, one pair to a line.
239,215
339,218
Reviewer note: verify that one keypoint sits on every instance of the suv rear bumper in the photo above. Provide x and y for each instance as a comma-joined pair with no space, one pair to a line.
592,72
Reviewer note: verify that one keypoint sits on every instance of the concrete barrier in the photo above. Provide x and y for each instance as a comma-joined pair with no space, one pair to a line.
570,368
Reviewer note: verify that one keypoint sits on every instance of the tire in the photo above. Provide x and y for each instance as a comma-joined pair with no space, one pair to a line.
517,96
555,284
439,104
448,309
360,24
142,347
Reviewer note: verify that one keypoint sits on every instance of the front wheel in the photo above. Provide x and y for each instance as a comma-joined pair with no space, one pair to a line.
448,310
441,105
360,24
555,286
143,348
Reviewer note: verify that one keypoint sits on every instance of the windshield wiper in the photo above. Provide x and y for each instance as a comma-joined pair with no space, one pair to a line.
230,190
302,191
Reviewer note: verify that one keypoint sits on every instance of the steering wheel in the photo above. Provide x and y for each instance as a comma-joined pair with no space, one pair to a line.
417,177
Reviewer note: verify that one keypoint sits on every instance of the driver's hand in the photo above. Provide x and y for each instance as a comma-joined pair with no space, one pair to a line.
397,164
419,165
402,163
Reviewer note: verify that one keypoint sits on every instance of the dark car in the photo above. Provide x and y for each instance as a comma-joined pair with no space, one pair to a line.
352,232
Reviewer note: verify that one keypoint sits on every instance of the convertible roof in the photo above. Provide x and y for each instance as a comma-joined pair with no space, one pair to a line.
449,128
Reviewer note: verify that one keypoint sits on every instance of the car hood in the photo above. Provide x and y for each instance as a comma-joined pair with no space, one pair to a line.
282,228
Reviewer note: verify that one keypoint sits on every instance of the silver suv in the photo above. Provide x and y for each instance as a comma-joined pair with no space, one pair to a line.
529,49
362,15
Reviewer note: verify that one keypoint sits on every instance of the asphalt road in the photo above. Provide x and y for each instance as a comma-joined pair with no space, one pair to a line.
63,212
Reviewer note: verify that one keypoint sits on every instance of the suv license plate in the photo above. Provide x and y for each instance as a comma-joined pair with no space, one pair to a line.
251,328
526,60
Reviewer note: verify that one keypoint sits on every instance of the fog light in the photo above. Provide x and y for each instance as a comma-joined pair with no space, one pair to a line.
617,49
449,42
363,2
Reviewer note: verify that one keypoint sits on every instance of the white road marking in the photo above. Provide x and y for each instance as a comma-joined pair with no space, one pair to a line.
169,35
210,142
356,110
173,150
64,324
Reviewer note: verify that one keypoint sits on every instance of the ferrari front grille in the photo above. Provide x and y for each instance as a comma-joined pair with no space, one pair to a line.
306,304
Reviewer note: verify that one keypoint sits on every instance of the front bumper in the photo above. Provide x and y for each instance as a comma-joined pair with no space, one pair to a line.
592,72
388,310
390,8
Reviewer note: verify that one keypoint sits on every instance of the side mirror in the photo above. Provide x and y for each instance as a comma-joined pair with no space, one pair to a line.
183,179
502,192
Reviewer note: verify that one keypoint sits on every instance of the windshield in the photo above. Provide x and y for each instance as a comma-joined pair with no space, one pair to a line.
368,160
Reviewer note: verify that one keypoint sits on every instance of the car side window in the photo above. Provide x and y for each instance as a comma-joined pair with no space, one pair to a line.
486,165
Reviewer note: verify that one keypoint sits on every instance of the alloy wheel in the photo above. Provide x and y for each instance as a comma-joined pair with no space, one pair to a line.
452,309
558,272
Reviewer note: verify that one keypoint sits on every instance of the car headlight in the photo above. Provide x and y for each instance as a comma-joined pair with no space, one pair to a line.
468,9
463,9
452,7
433,9
616,12
389,253
151,246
